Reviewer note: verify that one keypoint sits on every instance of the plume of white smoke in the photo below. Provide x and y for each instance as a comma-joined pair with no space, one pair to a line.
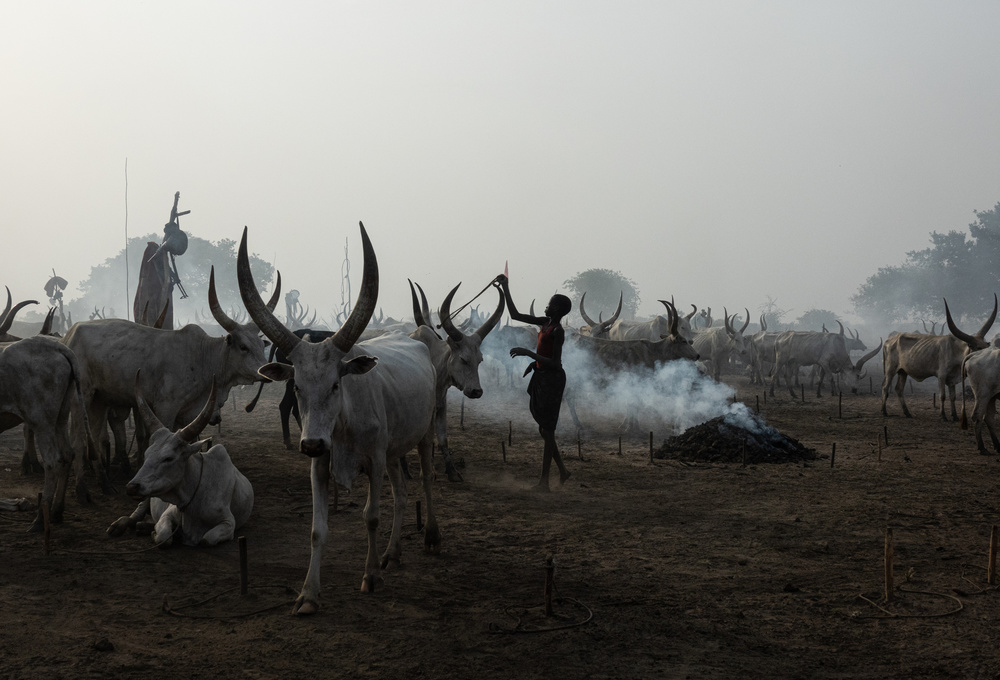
674,394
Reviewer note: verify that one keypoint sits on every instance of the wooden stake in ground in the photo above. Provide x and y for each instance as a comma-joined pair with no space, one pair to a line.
579,445
934,400
650,446
503,448
833,453
244,568
510,432
619,445
888,566
743,450
879,438
885,429
758,403
991,567
550,569
803,388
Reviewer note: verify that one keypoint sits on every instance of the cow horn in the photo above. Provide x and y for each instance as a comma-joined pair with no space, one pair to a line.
763,322
531,308
989,322
425,309
418,317
9,319
862,360
6,310
964,337
47,324
491,322
148,417
746,322
672,312
163,315
367,299
444,312
142,319
841,328
220,315
189,433
268,324
273,302
725,319
583,312
694,309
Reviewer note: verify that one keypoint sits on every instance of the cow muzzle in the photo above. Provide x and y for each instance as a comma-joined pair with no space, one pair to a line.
473,393
314,448
134,490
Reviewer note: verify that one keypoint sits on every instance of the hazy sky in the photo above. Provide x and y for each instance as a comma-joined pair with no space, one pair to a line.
720,152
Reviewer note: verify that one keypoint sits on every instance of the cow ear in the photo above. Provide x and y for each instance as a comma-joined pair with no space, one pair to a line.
357,365
191,449
277,372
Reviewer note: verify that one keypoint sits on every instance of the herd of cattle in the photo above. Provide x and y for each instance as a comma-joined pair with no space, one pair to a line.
365,396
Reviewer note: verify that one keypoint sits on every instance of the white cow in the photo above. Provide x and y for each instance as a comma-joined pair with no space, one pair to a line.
363,408
201,497
718,343
456,361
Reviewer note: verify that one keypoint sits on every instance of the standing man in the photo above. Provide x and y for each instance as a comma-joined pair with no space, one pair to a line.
548,379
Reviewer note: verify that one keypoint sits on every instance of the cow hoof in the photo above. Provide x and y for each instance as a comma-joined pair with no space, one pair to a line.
368,583
119,526
432,541
31,469
288,446
304,607
387,560
143,528
453,474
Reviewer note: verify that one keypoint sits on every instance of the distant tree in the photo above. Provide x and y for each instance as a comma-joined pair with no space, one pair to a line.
817,319
957,266
105,288
603,286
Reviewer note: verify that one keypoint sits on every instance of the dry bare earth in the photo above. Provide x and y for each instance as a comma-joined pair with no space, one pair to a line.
685,570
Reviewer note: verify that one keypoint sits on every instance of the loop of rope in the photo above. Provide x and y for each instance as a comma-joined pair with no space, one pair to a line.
455,313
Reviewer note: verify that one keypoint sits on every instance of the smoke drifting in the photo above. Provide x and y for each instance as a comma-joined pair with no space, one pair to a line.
674,395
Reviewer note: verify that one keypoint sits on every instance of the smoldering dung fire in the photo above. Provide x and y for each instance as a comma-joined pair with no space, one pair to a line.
735,438
709,424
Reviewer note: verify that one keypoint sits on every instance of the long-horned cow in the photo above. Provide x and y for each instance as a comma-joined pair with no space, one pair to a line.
199,497
356,416
653,329
456,361
599,328
982,369
718,343
177,368
921,356
828,351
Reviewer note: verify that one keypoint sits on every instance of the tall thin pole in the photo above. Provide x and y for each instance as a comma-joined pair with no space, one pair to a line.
128,307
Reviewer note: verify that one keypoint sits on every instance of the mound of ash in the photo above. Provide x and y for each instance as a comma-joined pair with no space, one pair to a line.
727,439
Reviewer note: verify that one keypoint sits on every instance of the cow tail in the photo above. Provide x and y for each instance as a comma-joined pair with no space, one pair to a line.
80,406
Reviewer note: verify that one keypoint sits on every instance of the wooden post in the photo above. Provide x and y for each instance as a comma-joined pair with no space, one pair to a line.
888,566
550,569
503,448
579,445
244,569
879,438
991,568
44,509
885,429
803,388
619,445
420,519
833,453
651,446
510,432
934,400
758,403
743,447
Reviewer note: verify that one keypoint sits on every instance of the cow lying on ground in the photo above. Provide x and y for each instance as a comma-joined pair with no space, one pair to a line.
201,497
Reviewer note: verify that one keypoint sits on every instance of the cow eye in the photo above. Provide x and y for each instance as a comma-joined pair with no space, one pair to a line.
336,386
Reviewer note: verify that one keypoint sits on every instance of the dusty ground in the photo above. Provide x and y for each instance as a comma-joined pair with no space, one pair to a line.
662,570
